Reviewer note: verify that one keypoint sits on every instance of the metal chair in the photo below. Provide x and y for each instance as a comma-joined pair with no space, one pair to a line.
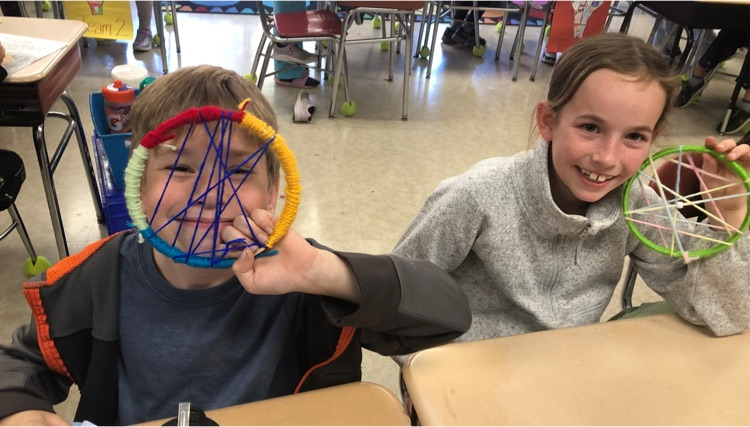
12,176
435,11
403,12
689,184
160,31
322,26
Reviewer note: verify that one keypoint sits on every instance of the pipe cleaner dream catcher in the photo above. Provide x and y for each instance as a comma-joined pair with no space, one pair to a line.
212,181
675,224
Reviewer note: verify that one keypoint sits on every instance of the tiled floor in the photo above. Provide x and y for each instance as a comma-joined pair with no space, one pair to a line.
363,177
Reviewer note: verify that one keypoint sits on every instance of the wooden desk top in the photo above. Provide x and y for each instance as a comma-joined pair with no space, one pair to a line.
350,404
646,371
68,31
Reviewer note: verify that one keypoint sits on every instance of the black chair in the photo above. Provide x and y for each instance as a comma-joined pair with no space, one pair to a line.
12,175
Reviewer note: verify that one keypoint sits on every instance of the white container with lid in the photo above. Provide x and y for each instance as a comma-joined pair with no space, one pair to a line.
130,74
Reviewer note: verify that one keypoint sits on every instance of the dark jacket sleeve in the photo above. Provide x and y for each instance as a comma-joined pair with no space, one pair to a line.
407,305
25,381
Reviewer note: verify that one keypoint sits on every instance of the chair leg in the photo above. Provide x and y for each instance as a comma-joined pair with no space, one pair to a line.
438,10
264,68
174,24
501,37
160,31
16,217
537,58
409,34
627,291
519,44
256,59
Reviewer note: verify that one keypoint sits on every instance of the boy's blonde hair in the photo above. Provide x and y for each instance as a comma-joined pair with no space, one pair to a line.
199,86
611,51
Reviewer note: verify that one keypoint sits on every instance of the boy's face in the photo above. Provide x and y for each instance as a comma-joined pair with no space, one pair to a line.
600,138
192,199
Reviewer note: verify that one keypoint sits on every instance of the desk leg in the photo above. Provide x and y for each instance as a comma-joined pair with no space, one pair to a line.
49,190
85,156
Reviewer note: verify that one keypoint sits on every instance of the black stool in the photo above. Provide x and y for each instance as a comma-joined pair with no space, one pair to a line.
12,175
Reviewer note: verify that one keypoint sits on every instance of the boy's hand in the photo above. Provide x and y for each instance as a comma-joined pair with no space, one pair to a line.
33,418
734,209
297,267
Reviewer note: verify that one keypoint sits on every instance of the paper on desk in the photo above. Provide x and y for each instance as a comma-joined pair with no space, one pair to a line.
22,51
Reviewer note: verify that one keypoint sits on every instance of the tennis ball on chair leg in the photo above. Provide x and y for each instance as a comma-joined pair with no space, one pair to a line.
376,22
46,6
478,50
31,269
251,77
384,46
499,27
157,40
424,53
349,108
168,18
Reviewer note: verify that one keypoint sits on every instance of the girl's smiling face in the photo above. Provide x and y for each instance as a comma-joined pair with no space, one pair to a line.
599,138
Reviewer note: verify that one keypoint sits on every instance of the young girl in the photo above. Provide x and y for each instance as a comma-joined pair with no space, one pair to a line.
538,240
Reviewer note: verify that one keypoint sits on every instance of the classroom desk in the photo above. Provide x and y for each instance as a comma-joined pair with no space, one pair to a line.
27,96
653,370
701,14
350,404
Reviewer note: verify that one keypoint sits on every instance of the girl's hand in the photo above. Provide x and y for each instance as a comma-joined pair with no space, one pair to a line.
733,210
297,267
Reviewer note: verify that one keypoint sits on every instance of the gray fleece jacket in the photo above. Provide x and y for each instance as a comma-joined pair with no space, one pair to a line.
526,266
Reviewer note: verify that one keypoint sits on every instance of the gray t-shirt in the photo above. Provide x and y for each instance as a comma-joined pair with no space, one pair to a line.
212,347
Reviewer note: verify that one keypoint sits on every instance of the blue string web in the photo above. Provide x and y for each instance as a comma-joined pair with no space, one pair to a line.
219,181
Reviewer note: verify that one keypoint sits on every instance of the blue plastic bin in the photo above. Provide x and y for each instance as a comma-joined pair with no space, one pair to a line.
116,145
116,215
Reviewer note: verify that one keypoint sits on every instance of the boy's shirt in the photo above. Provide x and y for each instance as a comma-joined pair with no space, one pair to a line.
193,346
74,337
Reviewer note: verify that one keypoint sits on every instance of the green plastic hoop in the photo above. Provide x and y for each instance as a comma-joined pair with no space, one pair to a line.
734,166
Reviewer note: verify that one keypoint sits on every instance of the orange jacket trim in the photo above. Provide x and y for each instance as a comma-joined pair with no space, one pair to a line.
347,334
31,292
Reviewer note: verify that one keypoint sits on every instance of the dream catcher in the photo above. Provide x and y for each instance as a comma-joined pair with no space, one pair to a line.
675,224
218,179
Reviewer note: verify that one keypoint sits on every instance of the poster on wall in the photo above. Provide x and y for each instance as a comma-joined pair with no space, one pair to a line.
575,20
106,19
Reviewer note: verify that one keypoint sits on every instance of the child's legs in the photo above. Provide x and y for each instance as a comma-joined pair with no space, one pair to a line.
723,47
295,71
145,11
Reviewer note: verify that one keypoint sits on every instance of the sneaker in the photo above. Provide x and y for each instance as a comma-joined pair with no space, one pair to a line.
689,94
448,36
466,38
549,58
143,41
292,53
302,82
737,120
303,108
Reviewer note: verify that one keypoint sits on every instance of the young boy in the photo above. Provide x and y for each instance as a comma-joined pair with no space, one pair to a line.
139,333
